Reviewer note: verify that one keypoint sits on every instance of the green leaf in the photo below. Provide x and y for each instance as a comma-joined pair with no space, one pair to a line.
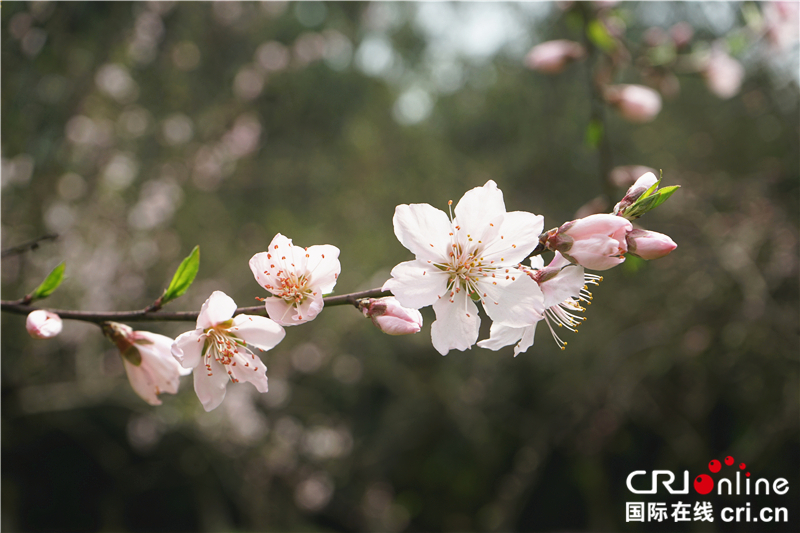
599,35
594,133
50,283
665,193
183,277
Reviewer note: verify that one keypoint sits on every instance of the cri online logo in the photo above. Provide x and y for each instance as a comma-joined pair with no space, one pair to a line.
704,484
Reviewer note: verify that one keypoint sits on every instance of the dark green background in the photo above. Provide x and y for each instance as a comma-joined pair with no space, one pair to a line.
681,360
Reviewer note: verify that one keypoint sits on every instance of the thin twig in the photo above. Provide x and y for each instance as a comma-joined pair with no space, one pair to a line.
27,246
144,315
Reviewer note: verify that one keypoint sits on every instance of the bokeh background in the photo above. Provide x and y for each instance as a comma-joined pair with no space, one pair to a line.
137,130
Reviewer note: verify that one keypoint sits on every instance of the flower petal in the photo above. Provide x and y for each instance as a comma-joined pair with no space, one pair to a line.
501,336
261,265
250,368
217,309
257,331
142,382
516,301
516,238
424,230
457,323
323,266
210,385
156,354
478,207
280,310
416,284
188,348
566,284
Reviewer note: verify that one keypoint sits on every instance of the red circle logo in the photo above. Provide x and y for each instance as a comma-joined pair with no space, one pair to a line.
703,484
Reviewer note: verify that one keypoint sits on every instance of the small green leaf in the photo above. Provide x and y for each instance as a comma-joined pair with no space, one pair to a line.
599,35
50,283
594,133
665,193
132,355
183,277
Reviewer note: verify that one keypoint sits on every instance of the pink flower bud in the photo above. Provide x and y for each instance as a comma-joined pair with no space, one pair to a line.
636,103
553,56
723,74
390,317
649,244
596,242
635,191
43,324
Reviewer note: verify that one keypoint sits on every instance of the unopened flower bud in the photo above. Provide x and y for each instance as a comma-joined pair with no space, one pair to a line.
635,191
596,242
649,244
636,103
552,57
390,317
43,324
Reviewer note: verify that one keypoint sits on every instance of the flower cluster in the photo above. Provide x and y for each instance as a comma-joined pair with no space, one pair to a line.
477,256
472,256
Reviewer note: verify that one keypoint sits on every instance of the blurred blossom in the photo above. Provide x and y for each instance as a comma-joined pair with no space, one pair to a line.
307,358
275,8
71,186
244,136
149,27
347,369
552,57
80,130
43,324
780,23
723,74
288,430
314,493
413,106
186,55
279,393
635,103
248,83
120,172
208,167
327,443
654,36
19,25
59,217
448,76
227,13
246,422
338,50
114,80
33,41
134,121
157,204
309,47
177,129
17,170
681,34
310,14
144,432
272,56
375,56
381,16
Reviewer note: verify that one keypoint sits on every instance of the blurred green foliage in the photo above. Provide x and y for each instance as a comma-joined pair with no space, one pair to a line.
139,130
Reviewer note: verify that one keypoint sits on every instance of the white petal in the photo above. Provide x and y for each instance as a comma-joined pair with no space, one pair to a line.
262,267
566,284
257,331
142,382
280,311
324,267
210,389
516,301
188,348
217,309
424,230
501,336
308,309
478,207
417,284
457,323
518,235
250,368
526,341
157,355
537,262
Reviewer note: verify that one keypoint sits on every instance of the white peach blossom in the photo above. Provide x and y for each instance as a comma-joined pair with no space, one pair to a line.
223,345
471,257
296,277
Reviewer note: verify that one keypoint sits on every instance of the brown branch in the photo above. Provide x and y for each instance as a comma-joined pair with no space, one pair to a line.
21,307
26,246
